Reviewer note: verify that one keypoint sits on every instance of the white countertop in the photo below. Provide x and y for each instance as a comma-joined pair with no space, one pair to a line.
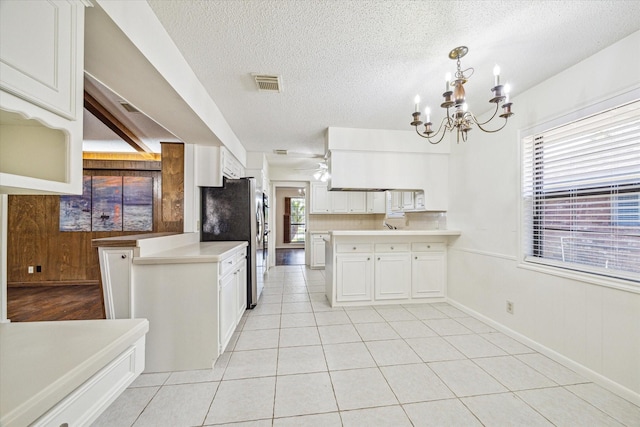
194,253
395,232
42,362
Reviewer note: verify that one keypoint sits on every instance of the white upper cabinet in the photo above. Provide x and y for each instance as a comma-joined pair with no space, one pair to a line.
41,96
339,202
376,202
41,44
212,163
320,203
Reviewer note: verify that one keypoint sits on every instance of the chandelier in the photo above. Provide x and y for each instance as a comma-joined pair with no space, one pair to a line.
458,117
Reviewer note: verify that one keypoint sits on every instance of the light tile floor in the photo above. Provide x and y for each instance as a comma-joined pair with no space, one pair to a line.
295,361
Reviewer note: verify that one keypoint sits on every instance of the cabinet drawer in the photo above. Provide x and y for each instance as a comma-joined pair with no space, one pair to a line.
429,247
227,265
392,247
86,403
318,237
240,255
354,247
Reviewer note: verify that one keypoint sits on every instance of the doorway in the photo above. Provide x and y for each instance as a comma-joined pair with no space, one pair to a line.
290,225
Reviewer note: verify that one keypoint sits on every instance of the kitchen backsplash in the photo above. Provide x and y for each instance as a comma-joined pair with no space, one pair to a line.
412,221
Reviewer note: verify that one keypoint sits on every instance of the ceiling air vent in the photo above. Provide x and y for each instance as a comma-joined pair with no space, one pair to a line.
267,83
281,152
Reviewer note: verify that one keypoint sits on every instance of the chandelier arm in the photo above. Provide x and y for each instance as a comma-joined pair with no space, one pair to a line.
446,122
428,138
475,119
495,130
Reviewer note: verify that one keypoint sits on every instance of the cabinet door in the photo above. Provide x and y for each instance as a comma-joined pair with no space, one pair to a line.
407,200
376,202
419,201
319,198
428,274
392,276
339,202
228,300
353,277
41,51
357,202
241,276
115,266
317,250
396,200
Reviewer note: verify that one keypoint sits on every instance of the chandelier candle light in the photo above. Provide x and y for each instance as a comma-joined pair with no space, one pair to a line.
458,117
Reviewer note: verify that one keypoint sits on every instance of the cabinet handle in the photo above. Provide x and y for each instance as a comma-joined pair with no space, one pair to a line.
123,256
368,259
378,258
428,246
416,258
354,248
391,247
230,262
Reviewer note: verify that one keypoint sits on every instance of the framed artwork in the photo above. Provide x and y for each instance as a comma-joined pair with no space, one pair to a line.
75,211
109,203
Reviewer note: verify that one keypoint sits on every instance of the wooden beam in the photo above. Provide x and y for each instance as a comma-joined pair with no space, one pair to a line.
101,113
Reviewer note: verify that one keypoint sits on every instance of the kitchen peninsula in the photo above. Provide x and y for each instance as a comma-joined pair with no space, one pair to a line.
366,267
193,294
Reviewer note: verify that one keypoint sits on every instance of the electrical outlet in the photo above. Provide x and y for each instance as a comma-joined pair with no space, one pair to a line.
38,269
509,307
30,269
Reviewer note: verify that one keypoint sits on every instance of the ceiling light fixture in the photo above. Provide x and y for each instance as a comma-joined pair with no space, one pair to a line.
458,117
322,173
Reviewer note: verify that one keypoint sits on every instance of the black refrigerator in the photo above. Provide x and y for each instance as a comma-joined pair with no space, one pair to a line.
230,212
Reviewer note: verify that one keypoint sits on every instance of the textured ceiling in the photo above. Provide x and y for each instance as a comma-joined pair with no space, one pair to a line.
360,63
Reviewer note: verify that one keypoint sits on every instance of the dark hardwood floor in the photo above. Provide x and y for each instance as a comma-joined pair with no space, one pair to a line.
41,303
290,256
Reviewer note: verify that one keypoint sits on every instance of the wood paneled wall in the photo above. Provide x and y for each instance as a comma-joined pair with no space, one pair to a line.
68,258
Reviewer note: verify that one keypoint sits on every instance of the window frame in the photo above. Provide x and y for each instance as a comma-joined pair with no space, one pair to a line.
525,232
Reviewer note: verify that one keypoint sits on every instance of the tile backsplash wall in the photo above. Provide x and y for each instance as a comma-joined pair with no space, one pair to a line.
330,222
412,221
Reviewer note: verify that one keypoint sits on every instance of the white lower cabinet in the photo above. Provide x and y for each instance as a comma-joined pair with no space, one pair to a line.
385,272
427,274
428,269
115,267
232,299
241,276
87,402
227,312
392,276
354,276
193,307
317,259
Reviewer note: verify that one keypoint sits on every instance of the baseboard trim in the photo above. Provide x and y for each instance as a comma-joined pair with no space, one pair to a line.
597,378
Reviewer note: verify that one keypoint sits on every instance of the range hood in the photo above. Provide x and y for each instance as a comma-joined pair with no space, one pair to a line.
380,160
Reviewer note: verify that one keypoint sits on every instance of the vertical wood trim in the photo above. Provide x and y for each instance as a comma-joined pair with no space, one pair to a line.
172,182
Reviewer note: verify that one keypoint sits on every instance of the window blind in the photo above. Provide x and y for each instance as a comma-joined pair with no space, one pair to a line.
581,194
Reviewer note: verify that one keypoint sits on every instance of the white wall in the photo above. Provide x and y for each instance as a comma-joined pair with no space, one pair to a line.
596,327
